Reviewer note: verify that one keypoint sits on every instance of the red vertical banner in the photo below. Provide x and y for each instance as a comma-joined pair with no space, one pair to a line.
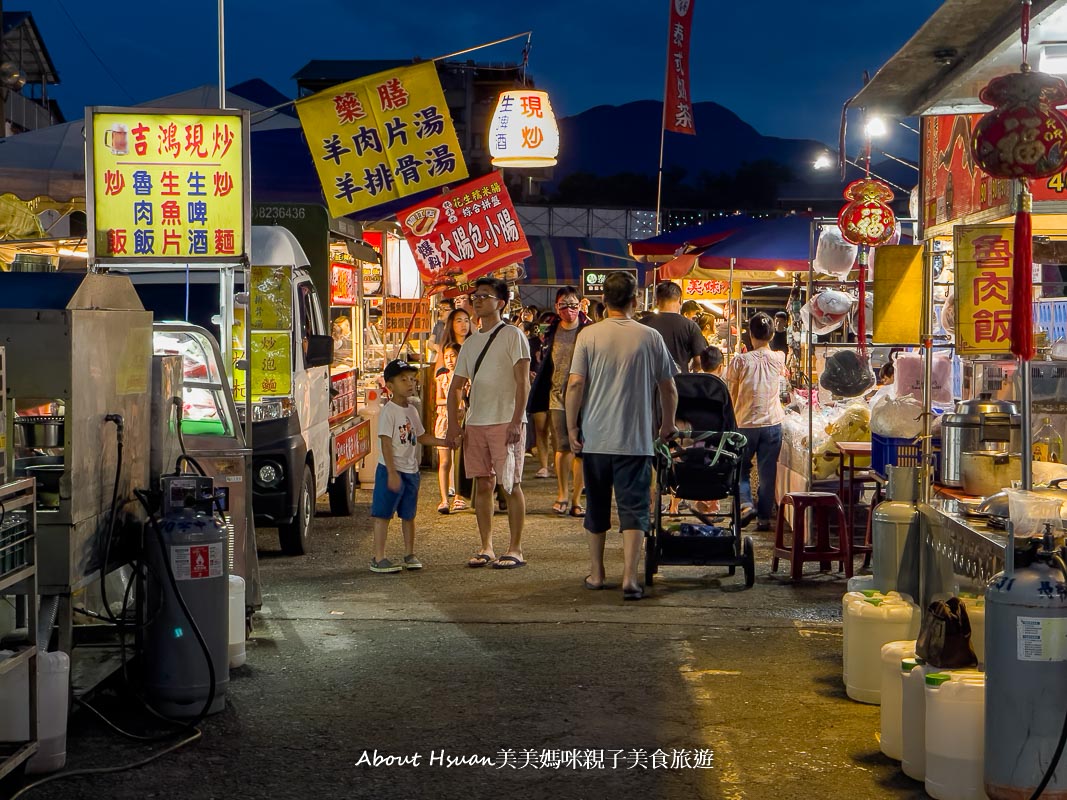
678,114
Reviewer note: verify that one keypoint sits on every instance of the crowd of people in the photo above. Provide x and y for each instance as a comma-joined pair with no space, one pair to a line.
580,373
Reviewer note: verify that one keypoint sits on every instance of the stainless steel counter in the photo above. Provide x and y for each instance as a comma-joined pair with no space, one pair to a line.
956,553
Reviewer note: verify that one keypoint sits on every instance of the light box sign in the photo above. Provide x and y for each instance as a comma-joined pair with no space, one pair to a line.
593,280
167,185
983,288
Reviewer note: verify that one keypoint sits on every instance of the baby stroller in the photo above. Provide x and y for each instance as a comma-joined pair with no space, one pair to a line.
701,464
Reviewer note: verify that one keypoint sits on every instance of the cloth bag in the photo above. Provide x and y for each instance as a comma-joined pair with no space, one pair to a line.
945,636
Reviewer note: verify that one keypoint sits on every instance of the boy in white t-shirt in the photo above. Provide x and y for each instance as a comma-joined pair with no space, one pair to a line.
396,480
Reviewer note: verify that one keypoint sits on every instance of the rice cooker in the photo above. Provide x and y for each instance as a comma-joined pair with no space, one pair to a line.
979,424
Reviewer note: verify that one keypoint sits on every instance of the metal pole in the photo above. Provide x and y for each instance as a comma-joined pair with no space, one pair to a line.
1025,387
480,46
926,335
222,54
809,366
662,139
733,314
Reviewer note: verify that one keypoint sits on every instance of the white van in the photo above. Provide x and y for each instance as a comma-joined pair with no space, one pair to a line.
297,453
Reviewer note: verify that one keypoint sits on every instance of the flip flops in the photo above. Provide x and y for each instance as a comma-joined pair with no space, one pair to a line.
560,507
633,594
593,586
480,560
576,511
508,562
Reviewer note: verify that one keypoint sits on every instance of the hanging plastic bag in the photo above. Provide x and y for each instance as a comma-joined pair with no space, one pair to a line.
833,255
846,374
811,318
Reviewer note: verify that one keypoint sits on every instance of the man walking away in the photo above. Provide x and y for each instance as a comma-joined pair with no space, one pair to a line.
616,366
753,381
495,363
683,337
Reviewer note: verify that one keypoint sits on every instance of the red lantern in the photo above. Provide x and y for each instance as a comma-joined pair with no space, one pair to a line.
1024,136
867,219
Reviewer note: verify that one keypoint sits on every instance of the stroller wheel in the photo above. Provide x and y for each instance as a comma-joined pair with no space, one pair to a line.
650,559
749,564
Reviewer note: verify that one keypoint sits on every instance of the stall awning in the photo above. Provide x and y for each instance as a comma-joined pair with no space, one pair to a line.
664,246
559,260
760,250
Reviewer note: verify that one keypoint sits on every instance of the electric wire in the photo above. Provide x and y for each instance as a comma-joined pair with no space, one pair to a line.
81,36
75,773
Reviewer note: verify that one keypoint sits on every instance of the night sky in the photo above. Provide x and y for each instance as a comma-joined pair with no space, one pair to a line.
784,66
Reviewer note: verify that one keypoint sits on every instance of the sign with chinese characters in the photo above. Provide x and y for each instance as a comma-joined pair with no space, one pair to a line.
696,289
381,137
271,363
954,186
399,313
351,446
271,315
523,131
982,256
469,232
593,280
167,184
678,115
343,290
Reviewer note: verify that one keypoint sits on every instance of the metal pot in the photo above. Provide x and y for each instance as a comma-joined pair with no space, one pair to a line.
47,477
40,431
986,472
978,424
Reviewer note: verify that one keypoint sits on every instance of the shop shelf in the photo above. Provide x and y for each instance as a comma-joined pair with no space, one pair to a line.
15,540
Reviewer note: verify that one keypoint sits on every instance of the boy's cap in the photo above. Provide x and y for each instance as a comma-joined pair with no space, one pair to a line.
396,366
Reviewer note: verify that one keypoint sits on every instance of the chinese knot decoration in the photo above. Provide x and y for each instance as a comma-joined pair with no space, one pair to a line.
1024,136
867,219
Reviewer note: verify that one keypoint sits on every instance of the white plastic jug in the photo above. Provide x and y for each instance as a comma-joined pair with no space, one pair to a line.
892,696
955,735
853,595
913,672
237,652
873,622
53,691
976,615
860,583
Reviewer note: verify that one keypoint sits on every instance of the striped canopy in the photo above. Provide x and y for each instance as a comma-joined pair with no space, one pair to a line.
559,260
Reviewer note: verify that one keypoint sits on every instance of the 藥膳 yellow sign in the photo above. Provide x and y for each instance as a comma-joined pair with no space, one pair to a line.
167,185
381,137
982,255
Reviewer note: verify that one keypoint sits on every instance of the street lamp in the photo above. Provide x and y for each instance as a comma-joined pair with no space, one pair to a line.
875,128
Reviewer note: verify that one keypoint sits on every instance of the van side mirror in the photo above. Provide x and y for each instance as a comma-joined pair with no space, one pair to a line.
319,351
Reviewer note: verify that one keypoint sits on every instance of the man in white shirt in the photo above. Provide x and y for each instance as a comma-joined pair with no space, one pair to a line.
495,363
753,381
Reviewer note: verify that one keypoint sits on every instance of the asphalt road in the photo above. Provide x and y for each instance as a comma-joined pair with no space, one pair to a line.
490,683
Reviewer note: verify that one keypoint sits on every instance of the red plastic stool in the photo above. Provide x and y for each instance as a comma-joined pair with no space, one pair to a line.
823,505
867,548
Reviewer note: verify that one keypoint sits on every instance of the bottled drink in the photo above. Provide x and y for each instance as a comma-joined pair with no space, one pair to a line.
1048,444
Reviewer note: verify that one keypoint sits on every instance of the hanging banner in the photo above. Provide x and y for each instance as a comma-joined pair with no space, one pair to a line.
710,289
982,256
399,313
466,233
167,184
898,293
381,137
678,115
954,187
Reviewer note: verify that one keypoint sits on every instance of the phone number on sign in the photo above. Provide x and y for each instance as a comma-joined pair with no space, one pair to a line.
279,212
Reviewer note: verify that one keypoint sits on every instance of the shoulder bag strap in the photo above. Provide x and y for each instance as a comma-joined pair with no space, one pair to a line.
481,357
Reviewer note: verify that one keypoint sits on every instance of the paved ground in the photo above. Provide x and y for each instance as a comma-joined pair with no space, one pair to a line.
525,668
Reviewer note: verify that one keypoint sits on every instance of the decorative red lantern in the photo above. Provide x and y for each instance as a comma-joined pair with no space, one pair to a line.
1024,136
867,219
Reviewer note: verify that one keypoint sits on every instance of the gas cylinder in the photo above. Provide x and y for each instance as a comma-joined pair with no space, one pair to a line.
1025,655
189,543
889,528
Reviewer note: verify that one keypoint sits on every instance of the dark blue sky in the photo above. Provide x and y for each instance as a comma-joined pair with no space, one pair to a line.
785,66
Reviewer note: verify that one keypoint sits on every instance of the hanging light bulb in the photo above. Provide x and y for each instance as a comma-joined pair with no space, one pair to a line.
523,131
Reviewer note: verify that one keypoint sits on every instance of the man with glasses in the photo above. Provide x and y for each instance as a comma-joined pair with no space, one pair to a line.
495,363
548,391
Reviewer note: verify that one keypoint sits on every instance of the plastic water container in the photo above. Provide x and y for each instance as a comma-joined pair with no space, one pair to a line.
53,690
913,672
236,651
858,594
860,583
955,735
976,614
871,623
892,696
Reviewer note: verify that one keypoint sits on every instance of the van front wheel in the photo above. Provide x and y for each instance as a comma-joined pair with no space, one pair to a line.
343,494
295,537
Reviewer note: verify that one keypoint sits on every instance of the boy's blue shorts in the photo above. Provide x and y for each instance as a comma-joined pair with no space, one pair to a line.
384,503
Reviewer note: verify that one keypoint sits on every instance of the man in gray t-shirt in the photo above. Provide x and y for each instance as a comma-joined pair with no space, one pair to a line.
617,365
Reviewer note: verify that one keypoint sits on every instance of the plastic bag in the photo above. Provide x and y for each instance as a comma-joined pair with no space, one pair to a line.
945,636
1030,512
846,374
833,255
817,322
897,417
948,313
908,377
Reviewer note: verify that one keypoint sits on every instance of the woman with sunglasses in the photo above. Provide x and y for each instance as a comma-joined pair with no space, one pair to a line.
548,389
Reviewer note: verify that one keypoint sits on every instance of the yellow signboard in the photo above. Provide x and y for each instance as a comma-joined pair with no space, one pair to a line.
167,185
898,294
381,137
982,255
271,362
271,302
271,299
708,289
